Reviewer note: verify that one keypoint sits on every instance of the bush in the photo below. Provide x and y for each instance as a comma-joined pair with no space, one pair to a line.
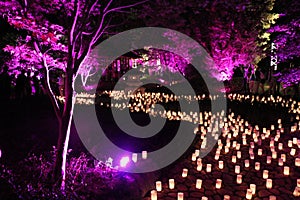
86,178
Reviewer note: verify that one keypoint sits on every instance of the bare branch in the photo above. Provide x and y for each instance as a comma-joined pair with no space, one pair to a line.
47,82
75,21
108,4
124,7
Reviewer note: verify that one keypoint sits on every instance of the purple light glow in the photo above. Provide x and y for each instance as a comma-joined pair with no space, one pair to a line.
124,161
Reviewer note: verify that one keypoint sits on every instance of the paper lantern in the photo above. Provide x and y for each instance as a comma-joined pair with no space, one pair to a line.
153,195
184,173
144,154
293,152
265,174
283,157
158,186
286,170
269,183
259,152
247,163
249,194
257,166
233,159
218,183
239,154
269,159
253,188
208,168
171,184
134,157
237,169
194,157
221,164
180,196
198,183
239,179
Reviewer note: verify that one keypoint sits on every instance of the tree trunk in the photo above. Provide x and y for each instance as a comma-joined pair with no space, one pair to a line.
59,173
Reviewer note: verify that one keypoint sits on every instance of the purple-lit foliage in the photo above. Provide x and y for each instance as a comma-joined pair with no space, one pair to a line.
290,77
285,32
228,30
87,179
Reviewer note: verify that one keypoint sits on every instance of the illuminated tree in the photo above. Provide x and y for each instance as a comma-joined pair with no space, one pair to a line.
59,36
285,33
227,30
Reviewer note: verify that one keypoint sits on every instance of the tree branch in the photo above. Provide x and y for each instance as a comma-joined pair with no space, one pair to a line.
108,4
124,7
47,83
74,22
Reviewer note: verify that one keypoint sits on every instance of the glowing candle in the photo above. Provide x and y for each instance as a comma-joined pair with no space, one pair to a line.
233,159
217,156
204,198
272,197
269,183
184,173
239,154
259,152
283,157
252,156
296,192
293,152
134,157
198,183
257,166
290,143
218,183
226,197
239,179
180,196
199,161
208,168
280,146
253,188
199,167
286,170
234,144
221,164
237,169
194,157
197,152
226,149
280,162
274,154
144,154
158,186
265,174
153,195
269,159
238,146
272,143
247,164
171,184
294,140
272,127
297,162
249,194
